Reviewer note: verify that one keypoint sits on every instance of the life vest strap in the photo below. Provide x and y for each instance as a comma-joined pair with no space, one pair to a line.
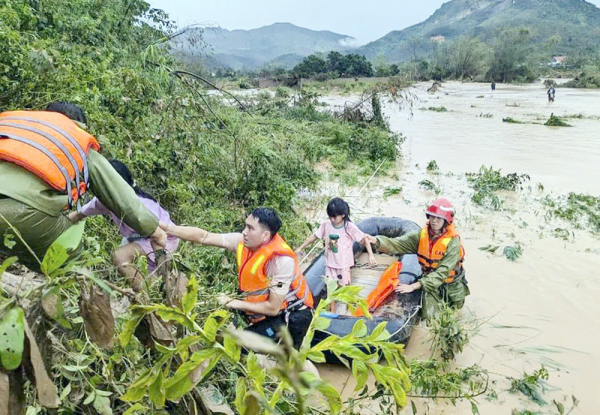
50,155
53,140
65,134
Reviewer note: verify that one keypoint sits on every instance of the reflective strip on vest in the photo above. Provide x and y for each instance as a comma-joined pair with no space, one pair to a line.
57,143
65,134
240,251
51,156
257,264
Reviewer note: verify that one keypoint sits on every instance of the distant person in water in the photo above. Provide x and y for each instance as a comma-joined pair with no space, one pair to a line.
551,93
493,86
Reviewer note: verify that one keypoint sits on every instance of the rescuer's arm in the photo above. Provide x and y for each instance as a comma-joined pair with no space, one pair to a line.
271,307
194,234
120,198
405,244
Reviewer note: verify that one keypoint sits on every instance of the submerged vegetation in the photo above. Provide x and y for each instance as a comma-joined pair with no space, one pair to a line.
580,209
488,181
555,121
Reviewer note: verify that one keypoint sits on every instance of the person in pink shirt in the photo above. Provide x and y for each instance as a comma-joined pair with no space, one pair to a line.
133,245
339,234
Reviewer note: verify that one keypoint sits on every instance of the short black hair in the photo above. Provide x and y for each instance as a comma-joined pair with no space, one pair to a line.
268,218
337,206
73,111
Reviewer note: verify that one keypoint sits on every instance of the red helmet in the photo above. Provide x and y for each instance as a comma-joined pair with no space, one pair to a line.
441,208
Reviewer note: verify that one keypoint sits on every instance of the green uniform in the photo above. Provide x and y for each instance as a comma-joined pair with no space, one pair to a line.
36,209
435,290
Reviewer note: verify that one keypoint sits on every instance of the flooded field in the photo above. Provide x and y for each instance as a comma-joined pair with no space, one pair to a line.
542,308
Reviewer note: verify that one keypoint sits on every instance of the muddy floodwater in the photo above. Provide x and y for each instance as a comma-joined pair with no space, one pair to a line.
543,308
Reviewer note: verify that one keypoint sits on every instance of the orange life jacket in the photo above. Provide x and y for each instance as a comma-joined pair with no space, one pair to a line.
430,254
51,146
254,284
388,281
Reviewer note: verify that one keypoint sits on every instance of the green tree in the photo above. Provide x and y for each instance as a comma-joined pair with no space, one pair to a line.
467,57
509,55
311,65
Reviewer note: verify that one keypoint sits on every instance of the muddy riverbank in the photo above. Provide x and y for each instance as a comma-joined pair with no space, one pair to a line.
542,308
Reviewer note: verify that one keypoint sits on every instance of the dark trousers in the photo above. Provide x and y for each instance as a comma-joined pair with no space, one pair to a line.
297,325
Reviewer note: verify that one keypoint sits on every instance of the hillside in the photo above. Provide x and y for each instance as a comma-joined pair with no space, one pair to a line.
576,22
256,47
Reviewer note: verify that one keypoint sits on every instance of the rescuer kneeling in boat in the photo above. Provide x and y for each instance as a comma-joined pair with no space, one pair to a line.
440,254
273,289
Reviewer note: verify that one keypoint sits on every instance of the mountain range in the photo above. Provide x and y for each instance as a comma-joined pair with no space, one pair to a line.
283,43
556,27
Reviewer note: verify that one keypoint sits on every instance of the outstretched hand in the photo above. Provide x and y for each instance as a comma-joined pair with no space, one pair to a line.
159,237
405,288
372,260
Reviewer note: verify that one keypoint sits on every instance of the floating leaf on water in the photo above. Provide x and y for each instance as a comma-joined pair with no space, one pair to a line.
97,316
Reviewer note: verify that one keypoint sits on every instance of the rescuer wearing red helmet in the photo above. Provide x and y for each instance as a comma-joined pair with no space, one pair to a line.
440,255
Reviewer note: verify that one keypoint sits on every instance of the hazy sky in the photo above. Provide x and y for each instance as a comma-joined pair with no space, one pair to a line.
364,20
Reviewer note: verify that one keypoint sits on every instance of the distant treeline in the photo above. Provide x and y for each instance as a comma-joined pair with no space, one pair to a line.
509,57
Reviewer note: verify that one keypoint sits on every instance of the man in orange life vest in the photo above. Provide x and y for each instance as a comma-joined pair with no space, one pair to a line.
440,254
273,290
47,163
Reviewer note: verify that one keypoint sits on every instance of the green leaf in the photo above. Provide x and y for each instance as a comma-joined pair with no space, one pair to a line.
195,360
232,349
130,326
191,295
240,391
90,398
134,408
12,335
65,392
475,409
326,343
214,322
156,391
360,329
55,257
360,373
102,405
58,253
327,390
380,333
322,323
7,263
71,238
9,240
316,356
255,371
